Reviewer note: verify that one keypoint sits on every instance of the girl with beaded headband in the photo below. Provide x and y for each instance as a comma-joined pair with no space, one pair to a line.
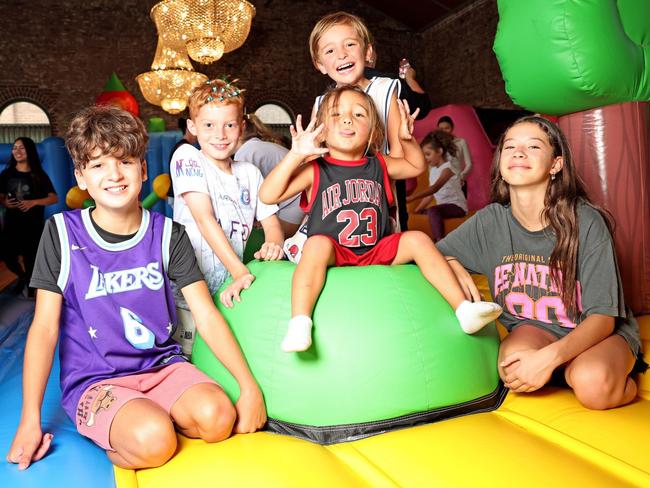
217,198
347,195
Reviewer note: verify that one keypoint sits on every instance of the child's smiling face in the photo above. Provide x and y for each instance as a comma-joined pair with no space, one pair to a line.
348,126
114,183
218,128
527,157
342,55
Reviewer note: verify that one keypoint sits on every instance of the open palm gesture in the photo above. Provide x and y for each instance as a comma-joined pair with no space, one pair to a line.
306,142
406,120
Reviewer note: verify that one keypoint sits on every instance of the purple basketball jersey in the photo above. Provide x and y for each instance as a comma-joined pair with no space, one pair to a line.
118,310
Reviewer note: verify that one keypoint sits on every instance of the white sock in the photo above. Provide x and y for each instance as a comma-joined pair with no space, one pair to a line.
473,316
298,336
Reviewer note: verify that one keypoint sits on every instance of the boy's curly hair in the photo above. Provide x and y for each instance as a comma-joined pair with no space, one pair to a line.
103,130
219,92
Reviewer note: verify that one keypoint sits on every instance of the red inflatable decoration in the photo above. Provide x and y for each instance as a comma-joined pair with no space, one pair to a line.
115,94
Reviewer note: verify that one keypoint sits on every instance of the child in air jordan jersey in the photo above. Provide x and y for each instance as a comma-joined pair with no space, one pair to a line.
347,195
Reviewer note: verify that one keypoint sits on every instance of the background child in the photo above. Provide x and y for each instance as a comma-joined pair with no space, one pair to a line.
261,146
103,276
462,160
438,148
216,198
550,258
340,47
347,196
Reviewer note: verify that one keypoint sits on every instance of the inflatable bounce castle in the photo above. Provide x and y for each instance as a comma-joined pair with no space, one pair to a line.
358,408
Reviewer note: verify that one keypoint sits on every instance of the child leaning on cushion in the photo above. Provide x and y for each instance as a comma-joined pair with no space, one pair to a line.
216,198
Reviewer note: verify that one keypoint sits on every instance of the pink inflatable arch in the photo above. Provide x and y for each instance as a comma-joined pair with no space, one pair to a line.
467,126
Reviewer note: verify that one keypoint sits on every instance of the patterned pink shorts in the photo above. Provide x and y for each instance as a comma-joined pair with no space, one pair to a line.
102,400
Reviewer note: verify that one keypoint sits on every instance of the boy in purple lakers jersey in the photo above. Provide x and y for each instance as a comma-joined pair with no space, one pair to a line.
347,195
103,276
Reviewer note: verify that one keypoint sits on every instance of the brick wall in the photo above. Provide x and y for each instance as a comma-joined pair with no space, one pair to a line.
459,65
60,54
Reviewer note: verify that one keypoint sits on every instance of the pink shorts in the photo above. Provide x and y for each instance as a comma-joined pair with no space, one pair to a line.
102,400
383,252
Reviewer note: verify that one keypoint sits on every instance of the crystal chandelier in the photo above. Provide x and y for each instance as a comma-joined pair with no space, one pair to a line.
172,77
170,17
209,28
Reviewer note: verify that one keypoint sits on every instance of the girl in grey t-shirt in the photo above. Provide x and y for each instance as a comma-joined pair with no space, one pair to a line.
550,262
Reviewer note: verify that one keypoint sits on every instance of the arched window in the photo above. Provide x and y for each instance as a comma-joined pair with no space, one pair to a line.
276,116
23,118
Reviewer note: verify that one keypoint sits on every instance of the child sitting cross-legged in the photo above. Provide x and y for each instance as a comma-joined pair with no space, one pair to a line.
347,195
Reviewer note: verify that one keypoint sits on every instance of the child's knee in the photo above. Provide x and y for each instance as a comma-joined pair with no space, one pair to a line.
318,244
416,239
152,443
215,418
596,387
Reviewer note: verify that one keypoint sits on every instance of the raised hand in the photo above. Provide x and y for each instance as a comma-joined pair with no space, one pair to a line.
406,120
306,142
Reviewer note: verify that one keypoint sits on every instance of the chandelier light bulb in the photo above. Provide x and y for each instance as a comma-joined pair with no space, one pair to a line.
205,50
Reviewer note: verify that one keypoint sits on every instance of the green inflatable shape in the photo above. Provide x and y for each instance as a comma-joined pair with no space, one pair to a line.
386,344
254,243
114,83
563,56
156,124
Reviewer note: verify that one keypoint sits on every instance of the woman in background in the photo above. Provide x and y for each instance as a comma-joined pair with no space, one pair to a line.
25,190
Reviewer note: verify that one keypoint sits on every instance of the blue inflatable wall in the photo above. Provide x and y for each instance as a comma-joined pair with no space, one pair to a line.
56,163
58,166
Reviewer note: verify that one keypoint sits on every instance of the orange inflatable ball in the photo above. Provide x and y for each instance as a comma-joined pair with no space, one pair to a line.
75,197
161,185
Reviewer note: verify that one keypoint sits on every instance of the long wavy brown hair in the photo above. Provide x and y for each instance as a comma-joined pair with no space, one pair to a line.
563,194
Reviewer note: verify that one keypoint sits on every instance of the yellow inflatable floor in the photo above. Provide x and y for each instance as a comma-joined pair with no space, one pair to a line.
543,439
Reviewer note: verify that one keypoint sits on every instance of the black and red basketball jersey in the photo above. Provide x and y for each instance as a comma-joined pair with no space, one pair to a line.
349,201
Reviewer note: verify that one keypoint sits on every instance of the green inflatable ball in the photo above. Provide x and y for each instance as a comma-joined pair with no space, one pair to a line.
387,351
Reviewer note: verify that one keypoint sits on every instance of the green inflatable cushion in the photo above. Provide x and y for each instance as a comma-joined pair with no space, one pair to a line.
385,345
